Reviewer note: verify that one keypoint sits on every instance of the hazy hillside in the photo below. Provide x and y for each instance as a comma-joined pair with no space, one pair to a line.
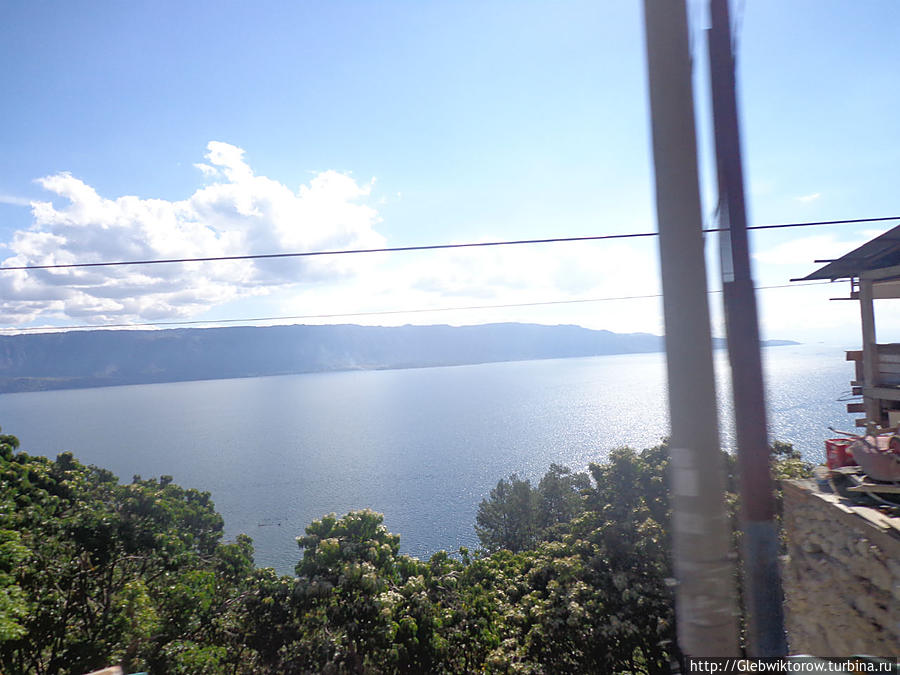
106,357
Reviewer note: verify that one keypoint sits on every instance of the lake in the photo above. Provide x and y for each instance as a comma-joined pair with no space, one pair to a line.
421,446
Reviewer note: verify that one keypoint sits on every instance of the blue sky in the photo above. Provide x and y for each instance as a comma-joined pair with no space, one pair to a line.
402,123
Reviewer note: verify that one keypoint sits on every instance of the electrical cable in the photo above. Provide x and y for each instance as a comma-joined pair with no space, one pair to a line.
428,247
421,310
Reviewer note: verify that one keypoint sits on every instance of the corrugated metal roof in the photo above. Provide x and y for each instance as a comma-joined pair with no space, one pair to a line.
882,251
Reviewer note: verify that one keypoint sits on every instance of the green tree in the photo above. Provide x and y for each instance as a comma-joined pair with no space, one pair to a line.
561,495
788,463
110,573
13,607
508,518
572,578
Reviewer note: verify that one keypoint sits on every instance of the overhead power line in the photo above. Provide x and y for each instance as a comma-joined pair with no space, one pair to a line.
428,247
308,254
345,315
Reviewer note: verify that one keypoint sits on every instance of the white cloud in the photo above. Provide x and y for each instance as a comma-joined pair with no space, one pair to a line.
478,277
12,200
238,213
806,199
207,170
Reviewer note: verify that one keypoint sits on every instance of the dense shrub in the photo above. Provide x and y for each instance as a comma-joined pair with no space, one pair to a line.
572,579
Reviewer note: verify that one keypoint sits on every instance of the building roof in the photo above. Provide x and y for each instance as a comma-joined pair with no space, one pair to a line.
882,251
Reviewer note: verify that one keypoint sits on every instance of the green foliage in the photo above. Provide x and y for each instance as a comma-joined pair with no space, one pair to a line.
516,515
348,565
572,578
13,606
589,593
788,463
508,519
560,496
93,572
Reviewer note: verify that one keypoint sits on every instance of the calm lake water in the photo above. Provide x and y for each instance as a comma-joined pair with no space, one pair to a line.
422,446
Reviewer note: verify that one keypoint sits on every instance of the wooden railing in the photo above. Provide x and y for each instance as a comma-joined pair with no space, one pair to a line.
888,365
881,394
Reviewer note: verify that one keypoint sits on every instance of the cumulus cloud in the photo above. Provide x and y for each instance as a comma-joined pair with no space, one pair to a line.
235,213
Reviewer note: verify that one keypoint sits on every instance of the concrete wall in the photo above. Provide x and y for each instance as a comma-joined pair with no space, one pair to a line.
841,575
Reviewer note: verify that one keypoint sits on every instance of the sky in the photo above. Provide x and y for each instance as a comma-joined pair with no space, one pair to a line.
149,130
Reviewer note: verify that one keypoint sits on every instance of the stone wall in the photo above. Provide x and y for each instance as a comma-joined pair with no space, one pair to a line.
841,575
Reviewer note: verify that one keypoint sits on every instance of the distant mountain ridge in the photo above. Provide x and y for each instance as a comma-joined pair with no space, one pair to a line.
106,357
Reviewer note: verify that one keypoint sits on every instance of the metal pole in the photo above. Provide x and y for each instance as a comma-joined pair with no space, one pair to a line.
705,598
762,580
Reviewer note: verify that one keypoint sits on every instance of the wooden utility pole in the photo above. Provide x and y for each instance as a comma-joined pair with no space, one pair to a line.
762,580
705,596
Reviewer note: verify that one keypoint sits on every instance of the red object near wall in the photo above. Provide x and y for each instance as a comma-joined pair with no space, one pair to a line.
838,454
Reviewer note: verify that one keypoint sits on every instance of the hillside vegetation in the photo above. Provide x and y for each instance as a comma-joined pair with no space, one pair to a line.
572,579
98,358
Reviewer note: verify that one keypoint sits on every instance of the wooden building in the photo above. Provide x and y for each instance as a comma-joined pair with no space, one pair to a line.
874,273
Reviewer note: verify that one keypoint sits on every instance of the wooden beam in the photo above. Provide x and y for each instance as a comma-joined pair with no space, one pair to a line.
856,407
875,487
882,393
885,290
870,357
889,348
882,273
